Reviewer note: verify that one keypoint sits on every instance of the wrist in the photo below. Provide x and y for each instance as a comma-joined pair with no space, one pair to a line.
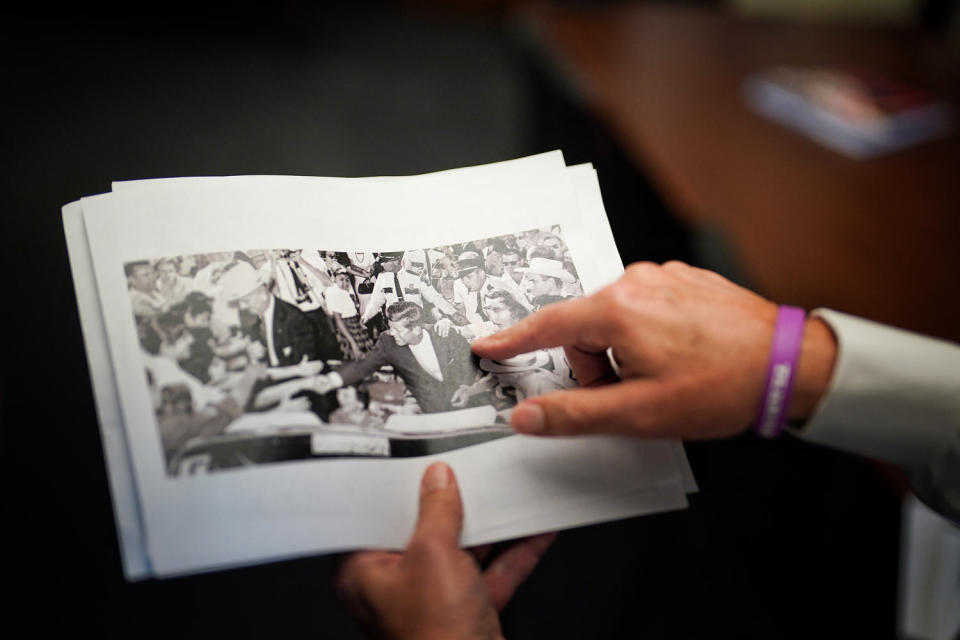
818,353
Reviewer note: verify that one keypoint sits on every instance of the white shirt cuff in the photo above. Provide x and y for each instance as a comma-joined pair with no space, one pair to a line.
335,379
893,395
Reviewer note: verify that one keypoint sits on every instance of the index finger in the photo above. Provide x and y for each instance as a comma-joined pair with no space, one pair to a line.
578,323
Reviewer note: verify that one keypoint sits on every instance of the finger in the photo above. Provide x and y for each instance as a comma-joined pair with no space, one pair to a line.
441,511
511,568
630,407
590,369
577,322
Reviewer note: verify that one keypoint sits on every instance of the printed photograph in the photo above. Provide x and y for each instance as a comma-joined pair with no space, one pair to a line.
275,355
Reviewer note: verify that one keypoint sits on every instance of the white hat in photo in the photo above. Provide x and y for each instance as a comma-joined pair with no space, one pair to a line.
516,364
240,280
548,267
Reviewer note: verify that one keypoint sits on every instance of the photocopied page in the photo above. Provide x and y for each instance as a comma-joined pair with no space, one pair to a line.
355,490
126,506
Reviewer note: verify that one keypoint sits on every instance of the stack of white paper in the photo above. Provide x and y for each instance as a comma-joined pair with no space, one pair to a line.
226,438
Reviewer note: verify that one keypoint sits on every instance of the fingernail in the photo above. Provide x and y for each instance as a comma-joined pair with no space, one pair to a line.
437,477
529,418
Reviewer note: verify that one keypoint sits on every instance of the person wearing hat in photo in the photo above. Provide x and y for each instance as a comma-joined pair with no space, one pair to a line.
474,284
402,279
527,375
286,331
207,281
543,281
512,380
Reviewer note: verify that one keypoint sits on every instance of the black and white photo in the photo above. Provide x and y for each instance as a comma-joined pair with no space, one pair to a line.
267,355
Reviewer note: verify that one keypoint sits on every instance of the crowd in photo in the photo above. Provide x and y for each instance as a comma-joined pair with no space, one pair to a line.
264,339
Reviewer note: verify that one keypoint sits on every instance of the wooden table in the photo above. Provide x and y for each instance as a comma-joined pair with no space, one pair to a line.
877,238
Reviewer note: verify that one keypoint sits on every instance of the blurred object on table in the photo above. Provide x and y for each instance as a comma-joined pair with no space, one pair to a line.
853,111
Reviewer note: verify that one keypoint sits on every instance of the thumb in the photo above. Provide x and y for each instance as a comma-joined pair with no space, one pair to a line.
441,511
629,407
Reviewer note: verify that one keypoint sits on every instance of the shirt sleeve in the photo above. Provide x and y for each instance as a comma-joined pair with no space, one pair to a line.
357,370
377,298
895,395
433,296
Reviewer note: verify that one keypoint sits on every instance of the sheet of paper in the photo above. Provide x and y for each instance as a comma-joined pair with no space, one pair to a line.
206,522
126,507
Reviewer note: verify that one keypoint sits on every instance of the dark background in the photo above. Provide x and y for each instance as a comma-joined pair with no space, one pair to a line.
784,540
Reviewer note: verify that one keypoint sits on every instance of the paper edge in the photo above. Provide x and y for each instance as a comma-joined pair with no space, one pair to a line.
125,499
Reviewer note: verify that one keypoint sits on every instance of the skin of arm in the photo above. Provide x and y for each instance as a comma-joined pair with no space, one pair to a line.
303,369
282,391
357,370
375,303
433,296
692,349
322,276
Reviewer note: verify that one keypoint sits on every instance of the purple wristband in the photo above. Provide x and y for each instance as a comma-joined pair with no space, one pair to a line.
787,338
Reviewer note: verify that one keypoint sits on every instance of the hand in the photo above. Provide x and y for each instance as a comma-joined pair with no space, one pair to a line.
461,396
277,393
434,589
308,368
692,348
256,351
321,384
293,405
217,370
443,327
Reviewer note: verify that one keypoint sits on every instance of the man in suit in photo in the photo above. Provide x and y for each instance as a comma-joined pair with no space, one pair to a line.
474,284
287,333
432,365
